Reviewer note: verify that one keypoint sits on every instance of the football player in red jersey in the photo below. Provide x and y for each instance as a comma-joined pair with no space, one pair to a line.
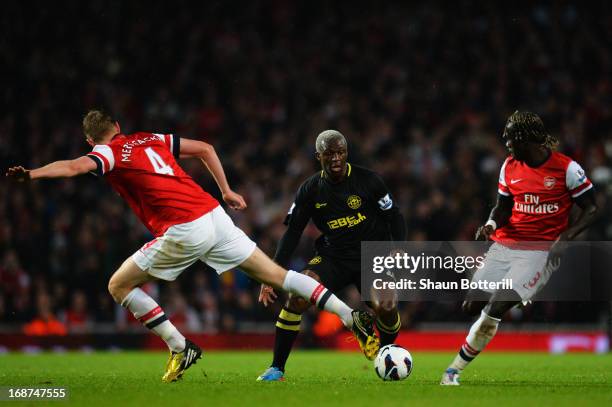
188,225
529,224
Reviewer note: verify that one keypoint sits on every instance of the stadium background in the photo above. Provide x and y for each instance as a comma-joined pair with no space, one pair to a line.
421,92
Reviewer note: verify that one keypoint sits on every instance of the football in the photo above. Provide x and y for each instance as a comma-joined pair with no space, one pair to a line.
393,363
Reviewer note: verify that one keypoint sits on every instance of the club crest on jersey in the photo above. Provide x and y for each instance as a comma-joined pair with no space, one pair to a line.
549,182
315,260
354,202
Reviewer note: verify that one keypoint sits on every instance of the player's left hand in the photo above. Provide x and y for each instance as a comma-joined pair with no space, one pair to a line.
19,174
234,200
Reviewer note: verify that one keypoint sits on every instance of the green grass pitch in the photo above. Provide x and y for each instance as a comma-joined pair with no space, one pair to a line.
314,378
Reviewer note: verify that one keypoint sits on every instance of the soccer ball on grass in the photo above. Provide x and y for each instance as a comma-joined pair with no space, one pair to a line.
393,363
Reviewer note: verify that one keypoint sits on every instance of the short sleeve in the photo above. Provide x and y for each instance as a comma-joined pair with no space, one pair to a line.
171,141
576,180
381,193
502,186
104,158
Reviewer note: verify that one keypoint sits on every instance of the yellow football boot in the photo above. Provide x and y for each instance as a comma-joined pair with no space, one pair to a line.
363,329
178,362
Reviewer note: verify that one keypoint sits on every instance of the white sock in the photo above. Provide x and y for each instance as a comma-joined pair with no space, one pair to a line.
481,333
311,290
147,311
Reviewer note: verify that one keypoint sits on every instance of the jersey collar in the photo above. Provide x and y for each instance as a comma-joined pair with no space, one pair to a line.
348,171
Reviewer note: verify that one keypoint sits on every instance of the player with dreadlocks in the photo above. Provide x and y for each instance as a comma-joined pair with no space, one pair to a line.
529,224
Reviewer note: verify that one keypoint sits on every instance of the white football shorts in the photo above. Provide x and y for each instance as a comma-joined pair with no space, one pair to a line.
525,268
212,239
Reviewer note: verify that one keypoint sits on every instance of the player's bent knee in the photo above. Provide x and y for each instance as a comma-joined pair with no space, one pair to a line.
124,280
498,309
114,288
501,302
506,296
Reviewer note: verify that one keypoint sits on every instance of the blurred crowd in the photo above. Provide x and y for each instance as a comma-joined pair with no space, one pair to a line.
421,91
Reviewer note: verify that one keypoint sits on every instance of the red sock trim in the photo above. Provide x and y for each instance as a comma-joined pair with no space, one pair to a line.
316,294
469,349
150,314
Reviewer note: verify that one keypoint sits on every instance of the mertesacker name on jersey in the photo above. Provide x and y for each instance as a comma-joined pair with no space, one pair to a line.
126,149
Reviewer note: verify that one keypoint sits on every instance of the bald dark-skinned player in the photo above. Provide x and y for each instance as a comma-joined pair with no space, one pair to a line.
348,204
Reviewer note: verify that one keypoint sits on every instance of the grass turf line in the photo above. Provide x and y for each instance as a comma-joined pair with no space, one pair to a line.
314,378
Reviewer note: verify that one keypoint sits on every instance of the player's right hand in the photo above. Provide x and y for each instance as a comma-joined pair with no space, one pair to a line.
484,233
267,295
19,174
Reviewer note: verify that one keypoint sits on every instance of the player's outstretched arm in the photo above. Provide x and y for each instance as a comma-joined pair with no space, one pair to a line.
208,155
57,169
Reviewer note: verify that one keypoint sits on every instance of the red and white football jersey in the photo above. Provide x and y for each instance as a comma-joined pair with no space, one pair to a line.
542,197
142,168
